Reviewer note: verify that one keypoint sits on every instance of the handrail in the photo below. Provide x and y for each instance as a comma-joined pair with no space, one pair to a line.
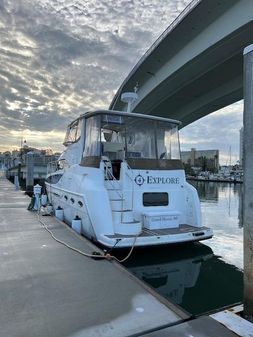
164,34
128,173
132,180
109,174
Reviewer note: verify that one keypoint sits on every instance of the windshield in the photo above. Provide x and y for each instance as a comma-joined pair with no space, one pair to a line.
140,138
121,137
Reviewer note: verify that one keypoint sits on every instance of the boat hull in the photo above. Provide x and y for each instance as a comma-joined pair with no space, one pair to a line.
146,237
141,208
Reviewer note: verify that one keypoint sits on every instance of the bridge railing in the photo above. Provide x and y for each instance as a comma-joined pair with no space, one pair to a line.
174,23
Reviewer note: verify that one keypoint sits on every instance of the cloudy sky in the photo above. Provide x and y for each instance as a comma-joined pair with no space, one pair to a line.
62,57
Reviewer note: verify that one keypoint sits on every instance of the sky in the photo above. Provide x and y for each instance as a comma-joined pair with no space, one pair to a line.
60,58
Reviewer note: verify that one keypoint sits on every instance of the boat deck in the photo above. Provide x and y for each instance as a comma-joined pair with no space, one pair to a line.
159,232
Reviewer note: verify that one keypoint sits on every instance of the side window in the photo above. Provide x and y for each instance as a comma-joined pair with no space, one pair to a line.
167,141
92,137
73,132
62,164
79,129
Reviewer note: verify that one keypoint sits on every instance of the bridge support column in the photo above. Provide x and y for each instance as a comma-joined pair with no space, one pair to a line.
248,183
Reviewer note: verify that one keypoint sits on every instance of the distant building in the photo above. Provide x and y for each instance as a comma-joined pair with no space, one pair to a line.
13,159
207,160
241,147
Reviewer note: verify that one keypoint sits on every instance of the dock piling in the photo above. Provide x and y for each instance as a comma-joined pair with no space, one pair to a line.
248,183
29,171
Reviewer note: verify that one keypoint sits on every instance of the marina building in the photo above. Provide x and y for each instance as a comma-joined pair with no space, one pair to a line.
207,160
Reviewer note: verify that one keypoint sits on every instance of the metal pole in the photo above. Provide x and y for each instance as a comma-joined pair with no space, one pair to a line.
248,183
29,172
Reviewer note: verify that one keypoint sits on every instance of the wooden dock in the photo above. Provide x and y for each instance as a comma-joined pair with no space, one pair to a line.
49,290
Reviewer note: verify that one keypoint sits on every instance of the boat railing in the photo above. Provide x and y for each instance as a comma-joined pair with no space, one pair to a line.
119,187
132,181
129,176
113,181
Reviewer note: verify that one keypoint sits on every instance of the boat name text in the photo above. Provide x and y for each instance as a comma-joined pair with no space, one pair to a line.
162,180
155,180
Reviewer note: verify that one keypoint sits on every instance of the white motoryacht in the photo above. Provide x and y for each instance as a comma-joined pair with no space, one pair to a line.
121,174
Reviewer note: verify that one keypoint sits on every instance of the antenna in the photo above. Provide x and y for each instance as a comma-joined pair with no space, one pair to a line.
129,98
136,88
230,155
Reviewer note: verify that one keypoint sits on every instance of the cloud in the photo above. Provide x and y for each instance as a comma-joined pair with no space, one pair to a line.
62,57
45,139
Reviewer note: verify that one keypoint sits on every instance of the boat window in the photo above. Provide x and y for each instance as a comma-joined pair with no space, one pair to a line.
79,129
92,137
120,137
73,133
167,141
155,199
140,138
62,164
54,178
113,132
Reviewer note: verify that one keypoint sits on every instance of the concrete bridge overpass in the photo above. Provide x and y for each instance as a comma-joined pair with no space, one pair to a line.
196,66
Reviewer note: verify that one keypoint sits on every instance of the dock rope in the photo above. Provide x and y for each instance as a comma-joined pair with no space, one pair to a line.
106,256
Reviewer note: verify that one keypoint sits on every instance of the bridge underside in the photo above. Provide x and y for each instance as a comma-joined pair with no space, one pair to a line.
198,67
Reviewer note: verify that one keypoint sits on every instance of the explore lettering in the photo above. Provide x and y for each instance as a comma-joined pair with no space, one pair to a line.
162,180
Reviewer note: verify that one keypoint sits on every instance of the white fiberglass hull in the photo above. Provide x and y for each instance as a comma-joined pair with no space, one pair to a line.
112,213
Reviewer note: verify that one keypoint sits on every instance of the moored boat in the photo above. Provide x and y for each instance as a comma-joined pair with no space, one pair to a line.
121,174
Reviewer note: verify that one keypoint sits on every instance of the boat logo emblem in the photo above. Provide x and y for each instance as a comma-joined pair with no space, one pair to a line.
139,180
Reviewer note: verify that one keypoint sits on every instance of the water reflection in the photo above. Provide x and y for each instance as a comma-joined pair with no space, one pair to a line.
207,191
212,191
221,207
240,213
188,275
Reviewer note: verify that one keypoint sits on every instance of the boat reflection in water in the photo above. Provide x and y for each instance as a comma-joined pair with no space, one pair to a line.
190,276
